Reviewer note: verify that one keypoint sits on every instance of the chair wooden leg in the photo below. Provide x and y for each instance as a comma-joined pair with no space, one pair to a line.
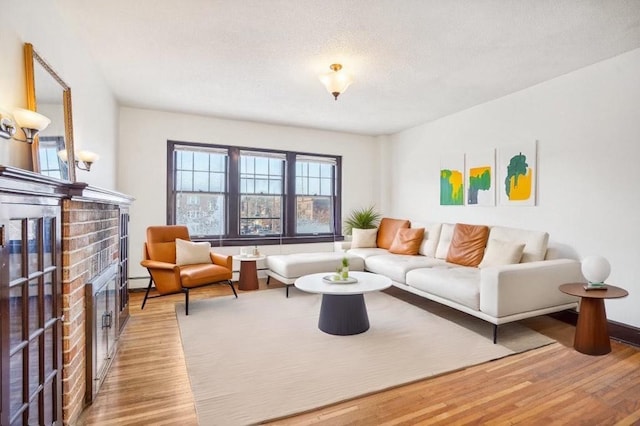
146,295
232,288
186,300
268,278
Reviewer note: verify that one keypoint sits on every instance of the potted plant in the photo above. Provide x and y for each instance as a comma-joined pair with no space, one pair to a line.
364,218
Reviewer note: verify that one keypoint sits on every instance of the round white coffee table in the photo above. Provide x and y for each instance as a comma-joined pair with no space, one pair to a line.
343,311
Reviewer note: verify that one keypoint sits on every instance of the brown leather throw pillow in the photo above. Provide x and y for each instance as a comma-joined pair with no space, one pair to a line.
468,244
407,241
387,230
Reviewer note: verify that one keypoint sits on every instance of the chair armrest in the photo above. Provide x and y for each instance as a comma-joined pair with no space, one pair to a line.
155,264
512,289
222,260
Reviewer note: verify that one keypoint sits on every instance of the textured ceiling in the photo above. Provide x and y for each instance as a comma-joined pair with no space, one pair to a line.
412,61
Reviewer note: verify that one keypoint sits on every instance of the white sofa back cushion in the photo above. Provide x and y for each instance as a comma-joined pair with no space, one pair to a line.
431,237
535,242
446,234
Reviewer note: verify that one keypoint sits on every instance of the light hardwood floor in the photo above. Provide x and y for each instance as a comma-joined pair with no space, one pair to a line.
148,383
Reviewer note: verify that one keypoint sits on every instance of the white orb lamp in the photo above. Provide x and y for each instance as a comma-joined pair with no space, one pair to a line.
595,269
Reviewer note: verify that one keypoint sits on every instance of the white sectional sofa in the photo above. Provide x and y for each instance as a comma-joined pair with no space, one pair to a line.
493,291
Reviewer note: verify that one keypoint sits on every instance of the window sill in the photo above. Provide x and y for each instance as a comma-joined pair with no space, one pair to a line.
266,241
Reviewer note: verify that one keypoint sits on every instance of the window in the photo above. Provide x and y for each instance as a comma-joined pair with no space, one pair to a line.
315,190
200,189
261,193
248,195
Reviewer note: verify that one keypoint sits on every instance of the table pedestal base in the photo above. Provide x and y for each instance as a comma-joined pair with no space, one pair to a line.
592,334
343,315
248,279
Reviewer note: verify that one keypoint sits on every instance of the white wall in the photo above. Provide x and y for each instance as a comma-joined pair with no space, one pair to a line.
95,111
142,161
587,124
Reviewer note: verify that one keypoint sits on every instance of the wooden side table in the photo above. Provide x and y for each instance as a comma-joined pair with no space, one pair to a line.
592,333
248,272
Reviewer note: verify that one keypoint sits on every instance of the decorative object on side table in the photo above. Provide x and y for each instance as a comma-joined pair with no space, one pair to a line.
595,269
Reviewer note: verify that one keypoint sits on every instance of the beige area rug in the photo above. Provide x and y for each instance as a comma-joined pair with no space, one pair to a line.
261,356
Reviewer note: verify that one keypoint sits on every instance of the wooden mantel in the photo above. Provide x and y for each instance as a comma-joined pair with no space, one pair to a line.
25,182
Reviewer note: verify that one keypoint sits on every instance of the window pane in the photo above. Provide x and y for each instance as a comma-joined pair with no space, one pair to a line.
326,187
184,181
185,160
262,186
313,215
262,166
314,169
201,181
203,214
217,182
275,186
218,162
314,186
260,215
201,161
275,167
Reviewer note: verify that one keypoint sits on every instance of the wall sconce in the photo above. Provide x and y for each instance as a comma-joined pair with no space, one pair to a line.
336,81
84,159
29,121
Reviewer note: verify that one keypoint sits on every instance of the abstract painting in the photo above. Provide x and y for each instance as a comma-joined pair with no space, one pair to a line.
517,167
481,176
452,180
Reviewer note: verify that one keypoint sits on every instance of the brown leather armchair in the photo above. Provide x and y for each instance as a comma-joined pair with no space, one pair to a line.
159,257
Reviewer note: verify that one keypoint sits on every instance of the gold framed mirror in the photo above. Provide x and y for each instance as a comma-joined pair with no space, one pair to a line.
49,95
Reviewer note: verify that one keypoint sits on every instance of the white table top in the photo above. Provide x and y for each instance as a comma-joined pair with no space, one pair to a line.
245,258
367,282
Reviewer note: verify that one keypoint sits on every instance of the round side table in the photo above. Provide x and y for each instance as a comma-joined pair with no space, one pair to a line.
592,334
248,279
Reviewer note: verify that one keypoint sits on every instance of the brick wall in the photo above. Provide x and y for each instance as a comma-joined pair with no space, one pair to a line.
90,244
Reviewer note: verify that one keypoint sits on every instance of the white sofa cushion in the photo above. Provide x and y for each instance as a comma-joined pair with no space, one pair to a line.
298,264
396,266
431,237
535,242
364,253
446,234
459,284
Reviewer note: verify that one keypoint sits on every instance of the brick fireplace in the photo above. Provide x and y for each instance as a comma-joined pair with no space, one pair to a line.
90,232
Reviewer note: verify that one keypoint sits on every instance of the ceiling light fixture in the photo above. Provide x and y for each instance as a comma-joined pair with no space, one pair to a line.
336,81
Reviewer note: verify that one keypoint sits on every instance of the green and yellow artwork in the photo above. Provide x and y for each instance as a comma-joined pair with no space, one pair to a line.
518,166
481,178
452,182
517,184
